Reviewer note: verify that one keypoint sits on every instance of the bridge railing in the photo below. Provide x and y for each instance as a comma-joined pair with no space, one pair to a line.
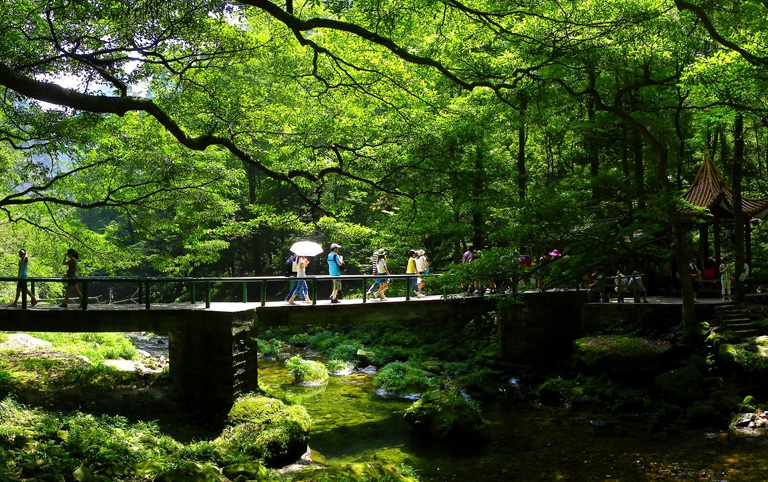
145,283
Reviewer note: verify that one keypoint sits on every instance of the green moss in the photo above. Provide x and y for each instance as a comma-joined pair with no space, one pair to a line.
620,353
56,445
749,359
359,471
97,347
264,428
682,386
590,392
447,416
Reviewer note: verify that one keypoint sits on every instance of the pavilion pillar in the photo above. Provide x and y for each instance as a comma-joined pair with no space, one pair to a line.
748,242
703,255
716,224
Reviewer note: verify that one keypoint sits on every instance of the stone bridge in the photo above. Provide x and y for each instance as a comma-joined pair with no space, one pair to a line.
212,350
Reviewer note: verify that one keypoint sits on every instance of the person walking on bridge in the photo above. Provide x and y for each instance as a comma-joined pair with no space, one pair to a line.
374,271
410,268
70,261
23,262
300,286
335,262
381,268
422,267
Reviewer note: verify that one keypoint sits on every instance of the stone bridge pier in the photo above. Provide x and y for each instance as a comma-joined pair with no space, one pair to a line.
213,357
212,352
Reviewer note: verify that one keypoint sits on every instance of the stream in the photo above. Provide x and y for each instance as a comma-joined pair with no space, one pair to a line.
530,442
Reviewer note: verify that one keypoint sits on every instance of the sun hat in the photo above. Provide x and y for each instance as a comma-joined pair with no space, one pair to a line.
334,246
555,253
381,252
420,252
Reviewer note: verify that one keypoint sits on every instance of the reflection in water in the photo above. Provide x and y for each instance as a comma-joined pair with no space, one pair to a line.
529,442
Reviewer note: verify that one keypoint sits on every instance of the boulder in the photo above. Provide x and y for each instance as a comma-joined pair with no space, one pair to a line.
307,372
196,473
262,427
749,359
250,470
358,471
682,386
621,353
448,417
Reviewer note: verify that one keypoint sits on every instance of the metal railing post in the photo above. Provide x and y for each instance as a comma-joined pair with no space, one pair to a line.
207,294
245,292
365,290
23,284
407,289
263,293
84,305
603,292
193,293
146,296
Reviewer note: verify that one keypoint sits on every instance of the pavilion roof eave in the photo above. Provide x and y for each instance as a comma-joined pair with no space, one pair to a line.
710,192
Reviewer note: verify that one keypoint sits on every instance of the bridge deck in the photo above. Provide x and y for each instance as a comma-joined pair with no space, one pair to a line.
215,306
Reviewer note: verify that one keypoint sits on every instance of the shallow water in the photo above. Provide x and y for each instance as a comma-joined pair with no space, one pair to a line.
530,442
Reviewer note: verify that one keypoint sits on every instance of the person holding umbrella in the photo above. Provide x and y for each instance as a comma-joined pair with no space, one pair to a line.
302,250
335,262
300,286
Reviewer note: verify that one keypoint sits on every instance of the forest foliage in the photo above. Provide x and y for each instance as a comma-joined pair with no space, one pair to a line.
205,136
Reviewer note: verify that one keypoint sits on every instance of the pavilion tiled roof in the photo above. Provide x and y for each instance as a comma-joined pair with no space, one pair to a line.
709,191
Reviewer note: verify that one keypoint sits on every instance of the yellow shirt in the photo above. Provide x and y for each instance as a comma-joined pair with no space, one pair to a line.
411,268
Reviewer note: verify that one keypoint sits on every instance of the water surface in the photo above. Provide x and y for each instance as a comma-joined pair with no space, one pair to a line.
530,442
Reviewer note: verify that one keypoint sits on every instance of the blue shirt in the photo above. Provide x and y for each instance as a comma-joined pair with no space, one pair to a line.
333,264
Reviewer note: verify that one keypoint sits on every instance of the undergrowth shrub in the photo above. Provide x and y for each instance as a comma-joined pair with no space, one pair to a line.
306,370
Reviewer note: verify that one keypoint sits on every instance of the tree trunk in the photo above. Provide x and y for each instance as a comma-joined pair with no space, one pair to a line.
637,148
522,177
738,214
589,141
478,228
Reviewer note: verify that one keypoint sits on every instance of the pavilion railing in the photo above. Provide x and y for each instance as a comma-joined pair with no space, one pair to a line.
145,283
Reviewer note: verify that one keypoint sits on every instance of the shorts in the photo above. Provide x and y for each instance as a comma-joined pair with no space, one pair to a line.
337,284
381,282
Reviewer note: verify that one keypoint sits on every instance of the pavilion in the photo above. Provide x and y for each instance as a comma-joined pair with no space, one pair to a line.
710,192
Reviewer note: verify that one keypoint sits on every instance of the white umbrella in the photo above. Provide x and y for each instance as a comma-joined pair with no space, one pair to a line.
306,248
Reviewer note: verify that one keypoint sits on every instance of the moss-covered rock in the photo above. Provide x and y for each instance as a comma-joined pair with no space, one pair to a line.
592,393
621,353
307,372
751,426
194,473
750,359
359,471
726,355
481,385
402,378
447,416
248,470
682,386
264,428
